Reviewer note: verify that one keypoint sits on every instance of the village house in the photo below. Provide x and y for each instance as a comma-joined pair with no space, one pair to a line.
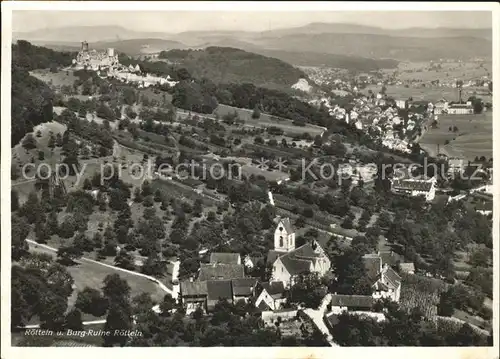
342,302
415,187
386,282
288,262
205,294
270,295
225,258
461,109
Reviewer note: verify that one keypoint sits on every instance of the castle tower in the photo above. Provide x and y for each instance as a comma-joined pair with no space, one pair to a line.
284,236
85,46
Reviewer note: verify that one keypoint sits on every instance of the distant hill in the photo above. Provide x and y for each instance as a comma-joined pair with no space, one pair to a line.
230,65
322,28
381,46
355,63
84,33
139,46
307,45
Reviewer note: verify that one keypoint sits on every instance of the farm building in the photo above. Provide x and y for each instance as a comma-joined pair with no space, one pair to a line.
415,187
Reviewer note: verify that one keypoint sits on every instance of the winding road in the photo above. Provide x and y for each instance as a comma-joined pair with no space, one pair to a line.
174,293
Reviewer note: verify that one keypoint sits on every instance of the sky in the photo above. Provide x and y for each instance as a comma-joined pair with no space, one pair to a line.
178,21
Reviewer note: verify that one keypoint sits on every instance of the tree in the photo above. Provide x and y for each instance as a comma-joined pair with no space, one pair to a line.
52,309
118,321
69,254
124,260
167,305
91,301
29,142
116,289
256,113
19,232
308,289
73,320
14,200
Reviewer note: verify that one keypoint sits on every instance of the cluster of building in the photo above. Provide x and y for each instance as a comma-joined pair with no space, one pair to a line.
106,64
223,278
415,187
444,107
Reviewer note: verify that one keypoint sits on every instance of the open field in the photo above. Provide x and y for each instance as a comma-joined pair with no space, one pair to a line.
60,78
445,71
21,156
90,274
248,170
474,136
266,120
428,93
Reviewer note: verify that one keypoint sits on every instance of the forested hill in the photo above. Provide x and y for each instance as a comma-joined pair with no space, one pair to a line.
230,65
31,98
30,57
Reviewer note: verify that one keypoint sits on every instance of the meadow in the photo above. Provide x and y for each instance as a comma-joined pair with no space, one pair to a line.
266,120
428,93
57,79
473,138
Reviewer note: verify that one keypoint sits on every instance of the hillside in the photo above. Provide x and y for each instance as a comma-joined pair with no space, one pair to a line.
356,63
230,65
31,98
382,46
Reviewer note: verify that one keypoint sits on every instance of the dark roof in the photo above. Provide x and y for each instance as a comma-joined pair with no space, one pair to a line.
379,286
274,289
221,271
243,286
219,289
357,301
286,224
391,277
294,265
196,288
308,250
224,258
411,185
263,305
373,264
273,255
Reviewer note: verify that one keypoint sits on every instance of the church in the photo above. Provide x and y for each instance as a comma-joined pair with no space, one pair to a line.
288,261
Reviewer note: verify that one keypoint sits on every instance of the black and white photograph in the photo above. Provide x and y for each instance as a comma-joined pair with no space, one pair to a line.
249,177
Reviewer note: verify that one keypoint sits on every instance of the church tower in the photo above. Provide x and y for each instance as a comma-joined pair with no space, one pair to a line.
284,236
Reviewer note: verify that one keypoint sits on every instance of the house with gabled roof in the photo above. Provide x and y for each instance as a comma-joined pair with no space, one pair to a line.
270,295
218,271
386,282
415,187
289,262
225,258
206,293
